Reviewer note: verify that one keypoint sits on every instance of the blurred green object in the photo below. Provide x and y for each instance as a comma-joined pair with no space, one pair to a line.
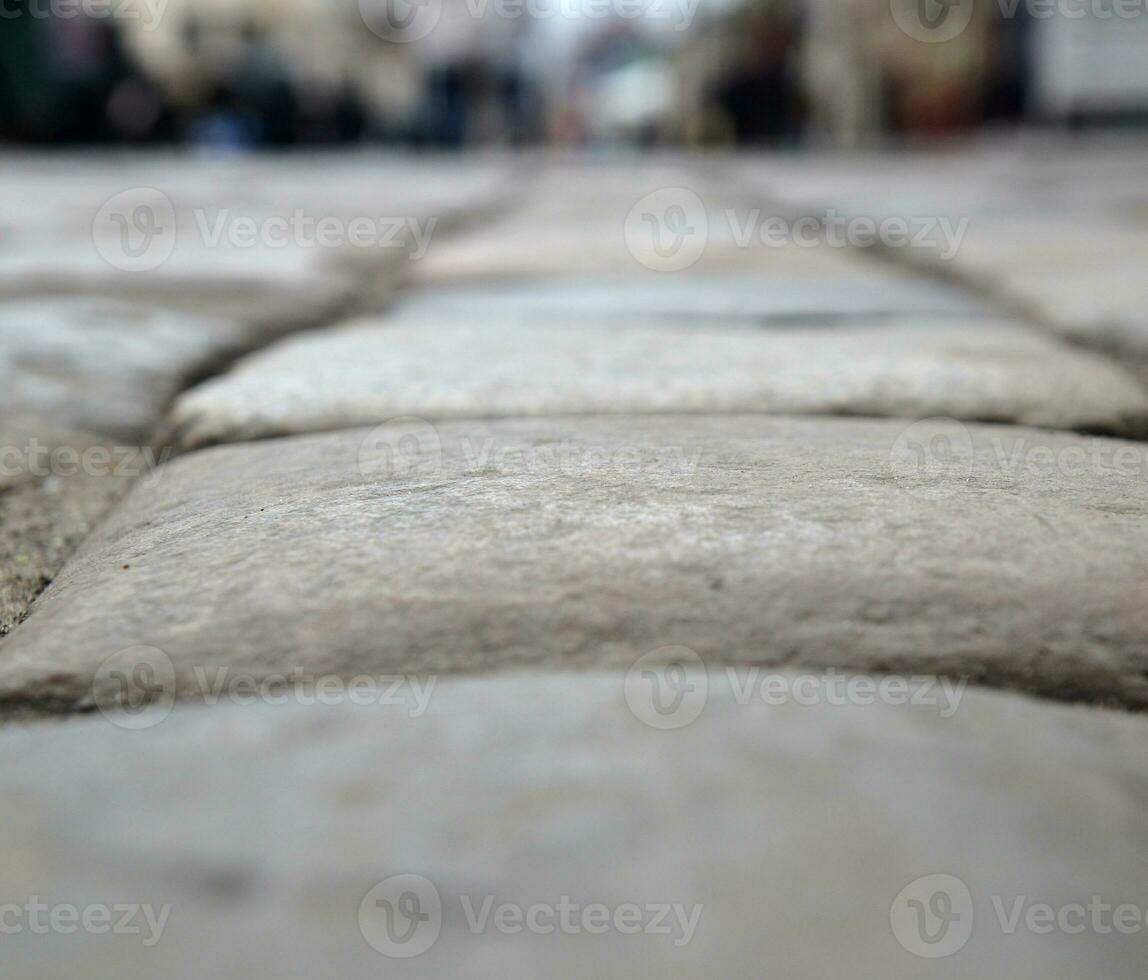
30,89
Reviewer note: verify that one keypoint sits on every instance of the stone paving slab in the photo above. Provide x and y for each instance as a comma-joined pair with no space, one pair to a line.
1088,287
267,841
993,252
376,370
40,194
624,222
46,510
1006,555
1057,226
84,386
63,235
1085,181
270,294
546,243
1106,302
736,296
102,365
77,247
93,348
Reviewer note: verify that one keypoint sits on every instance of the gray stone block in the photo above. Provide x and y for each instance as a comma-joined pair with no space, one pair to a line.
55,486
1004,555
101,365
712,296
373,371
822,840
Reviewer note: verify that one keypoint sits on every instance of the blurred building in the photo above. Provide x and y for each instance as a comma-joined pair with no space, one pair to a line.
1091,66
308,68
246,74
738,76
836,72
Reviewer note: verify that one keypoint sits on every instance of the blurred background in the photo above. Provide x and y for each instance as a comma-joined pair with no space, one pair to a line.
243,75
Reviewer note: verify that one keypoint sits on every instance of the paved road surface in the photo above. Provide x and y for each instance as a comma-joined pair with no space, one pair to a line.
575,566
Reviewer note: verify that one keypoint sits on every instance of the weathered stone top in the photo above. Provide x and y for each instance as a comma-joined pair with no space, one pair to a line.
370,372
796,835
1006,555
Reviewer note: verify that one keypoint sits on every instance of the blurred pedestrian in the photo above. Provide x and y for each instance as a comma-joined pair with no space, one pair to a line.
264,89
760,96
28,89
842,71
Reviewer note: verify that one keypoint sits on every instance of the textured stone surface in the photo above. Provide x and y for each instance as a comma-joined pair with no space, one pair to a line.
278,822
103,365
49,227
73,247
735,296
993,252
45,515
1010,555
84,385
248,285
92,353
375,371
1057,226
1105,303
548,244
